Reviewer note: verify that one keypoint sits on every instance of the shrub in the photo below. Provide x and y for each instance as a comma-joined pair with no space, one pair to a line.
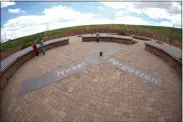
25,45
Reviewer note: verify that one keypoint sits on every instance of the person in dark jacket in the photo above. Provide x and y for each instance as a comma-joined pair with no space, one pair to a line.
34,46
42,45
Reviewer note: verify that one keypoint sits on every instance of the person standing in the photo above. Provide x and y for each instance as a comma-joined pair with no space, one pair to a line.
34,46
97,36
42,46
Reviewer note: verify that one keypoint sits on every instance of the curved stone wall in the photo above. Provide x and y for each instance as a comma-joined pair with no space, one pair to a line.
13,62
109,38
165,55
137,34
141,38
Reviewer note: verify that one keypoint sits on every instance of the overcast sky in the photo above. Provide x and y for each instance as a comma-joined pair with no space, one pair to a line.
19,19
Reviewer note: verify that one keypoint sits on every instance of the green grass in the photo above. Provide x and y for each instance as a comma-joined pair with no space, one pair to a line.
27,40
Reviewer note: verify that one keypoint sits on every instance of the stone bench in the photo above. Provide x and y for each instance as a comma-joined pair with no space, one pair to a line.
172,57
141,38
109,38
13,62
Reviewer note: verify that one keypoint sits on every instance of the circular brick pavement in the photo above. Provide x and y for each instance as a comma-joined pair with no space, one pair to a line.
99,93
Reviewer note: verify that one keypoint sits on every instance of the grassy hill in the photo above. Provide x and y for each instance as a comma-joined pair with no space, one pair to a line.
27,40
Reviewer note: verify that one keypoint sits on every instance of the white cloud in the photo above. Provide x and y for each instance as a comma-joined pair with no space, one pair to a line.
127,6
6,4
119,13
17,10
166,23
56,17
171,11
132,20
61,16
100,8
61,12
115,5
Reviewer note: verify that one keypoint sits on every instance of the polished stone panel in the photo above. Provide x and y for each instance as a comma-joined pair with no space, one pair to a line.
29,85
141,74
56,74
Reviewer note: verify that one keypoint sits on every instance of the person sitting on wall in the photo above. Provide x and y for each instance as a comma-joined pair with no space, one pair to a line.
42,45
97,36
34,46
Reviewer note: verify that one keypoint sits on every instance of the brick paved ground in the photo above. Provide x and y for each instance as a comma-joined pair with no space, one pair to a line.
99,93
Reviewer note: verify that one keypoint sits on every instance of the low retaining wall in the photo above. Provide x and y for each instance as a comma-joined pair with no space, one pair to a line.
174,62
141,38
109,38
11,68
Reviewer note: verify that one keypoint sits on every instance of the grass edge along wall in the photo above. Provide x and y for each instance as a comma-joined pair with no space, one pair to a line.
25,41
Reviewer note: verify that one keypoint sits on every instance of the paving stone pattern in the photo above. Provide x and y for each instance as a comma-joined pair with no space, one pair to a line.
59,73
66,71
100,93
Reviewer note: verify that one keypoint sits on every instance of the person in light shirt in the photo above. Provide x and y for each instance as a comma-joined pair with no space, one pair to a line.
42,46
97,36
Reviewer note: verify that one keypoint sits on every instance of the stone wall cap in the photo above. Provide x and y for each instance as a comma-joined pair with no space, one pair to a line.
113,36
12,58
175,53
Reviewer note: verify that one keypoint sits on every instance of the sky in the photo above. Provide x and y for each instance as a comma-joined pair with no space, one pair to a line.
20,19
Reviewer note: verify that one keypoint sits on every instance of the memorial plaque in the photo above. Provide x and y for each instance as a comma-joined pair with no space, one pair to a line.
46,79
56,74
147,77
29,85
